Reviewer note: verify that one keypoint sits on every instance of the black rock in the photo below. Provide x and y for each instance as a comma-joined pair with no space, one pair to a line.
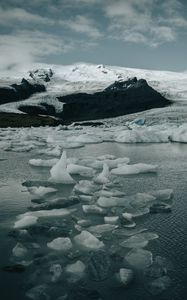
120,98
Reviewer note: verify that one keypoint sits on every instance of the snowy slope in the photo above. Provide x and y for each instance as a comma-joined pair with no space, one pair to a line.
83,77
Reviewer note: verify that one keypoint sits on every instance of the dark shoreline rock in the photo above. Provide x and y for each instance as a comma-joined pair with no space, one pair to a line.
24,120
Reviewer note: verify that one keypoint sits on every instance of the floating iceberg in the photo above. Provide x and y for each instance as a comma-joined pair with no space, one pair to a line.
99,229
81,170
26,221
59,173
139,258
86,187
85,139
76,270
19,250
93,209
88,241
40,191
43,162
134,169
111,220
60,244
143,134
103,177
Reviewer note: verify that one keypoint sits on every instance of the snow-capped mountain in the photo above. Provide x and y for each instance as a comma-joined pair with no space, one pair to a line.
89,78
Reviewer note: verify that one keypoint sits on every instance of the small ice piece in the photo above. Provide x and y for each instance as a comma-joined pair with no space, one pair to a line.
99,229
19,250
38,292
110,202
125,276
127,216
56,271
81,170
106,156
76,270
84,223
85,139
59,173
85,187
26,221
93,209
139,258
141,200
85,198
108,193
88,241
162,195
160,207
98,164
61,212
134,169
43,162
111,220
128,232
40,191
159,285
56,151
103,177
60,244
135,241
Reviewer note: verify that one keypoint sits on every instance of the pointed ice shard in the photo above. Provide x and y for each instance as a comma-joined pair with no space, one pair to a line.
59,173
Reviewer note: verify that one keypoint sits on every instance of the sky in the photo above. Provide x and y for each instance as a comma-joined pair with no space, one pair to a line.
149,34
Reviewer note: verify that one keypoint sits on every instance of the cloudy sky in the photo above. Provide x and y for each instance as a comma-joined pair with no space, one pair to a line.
133,33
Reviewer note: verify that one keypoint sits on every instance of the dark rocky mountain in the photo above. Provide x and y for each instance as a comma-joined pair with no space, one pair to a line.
16,92
120,98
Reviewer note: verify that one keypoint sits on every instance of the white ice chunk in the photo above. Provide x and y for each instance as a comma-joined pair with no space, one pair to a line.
109,193
85,139
142,135
111,220
82,170
93,209
99,229
19,250
103,177
61,212
162,195
59,173
139,258
98,164
134,169
135,241
60,244
77,269
40,191
110,201
26,221
125,276
88,241
43,162
85,187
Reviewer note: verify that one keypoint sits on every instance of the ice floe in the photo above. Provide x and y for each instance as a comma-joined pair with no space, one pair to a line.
60,244
139,258
26,221
88,241
134,169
